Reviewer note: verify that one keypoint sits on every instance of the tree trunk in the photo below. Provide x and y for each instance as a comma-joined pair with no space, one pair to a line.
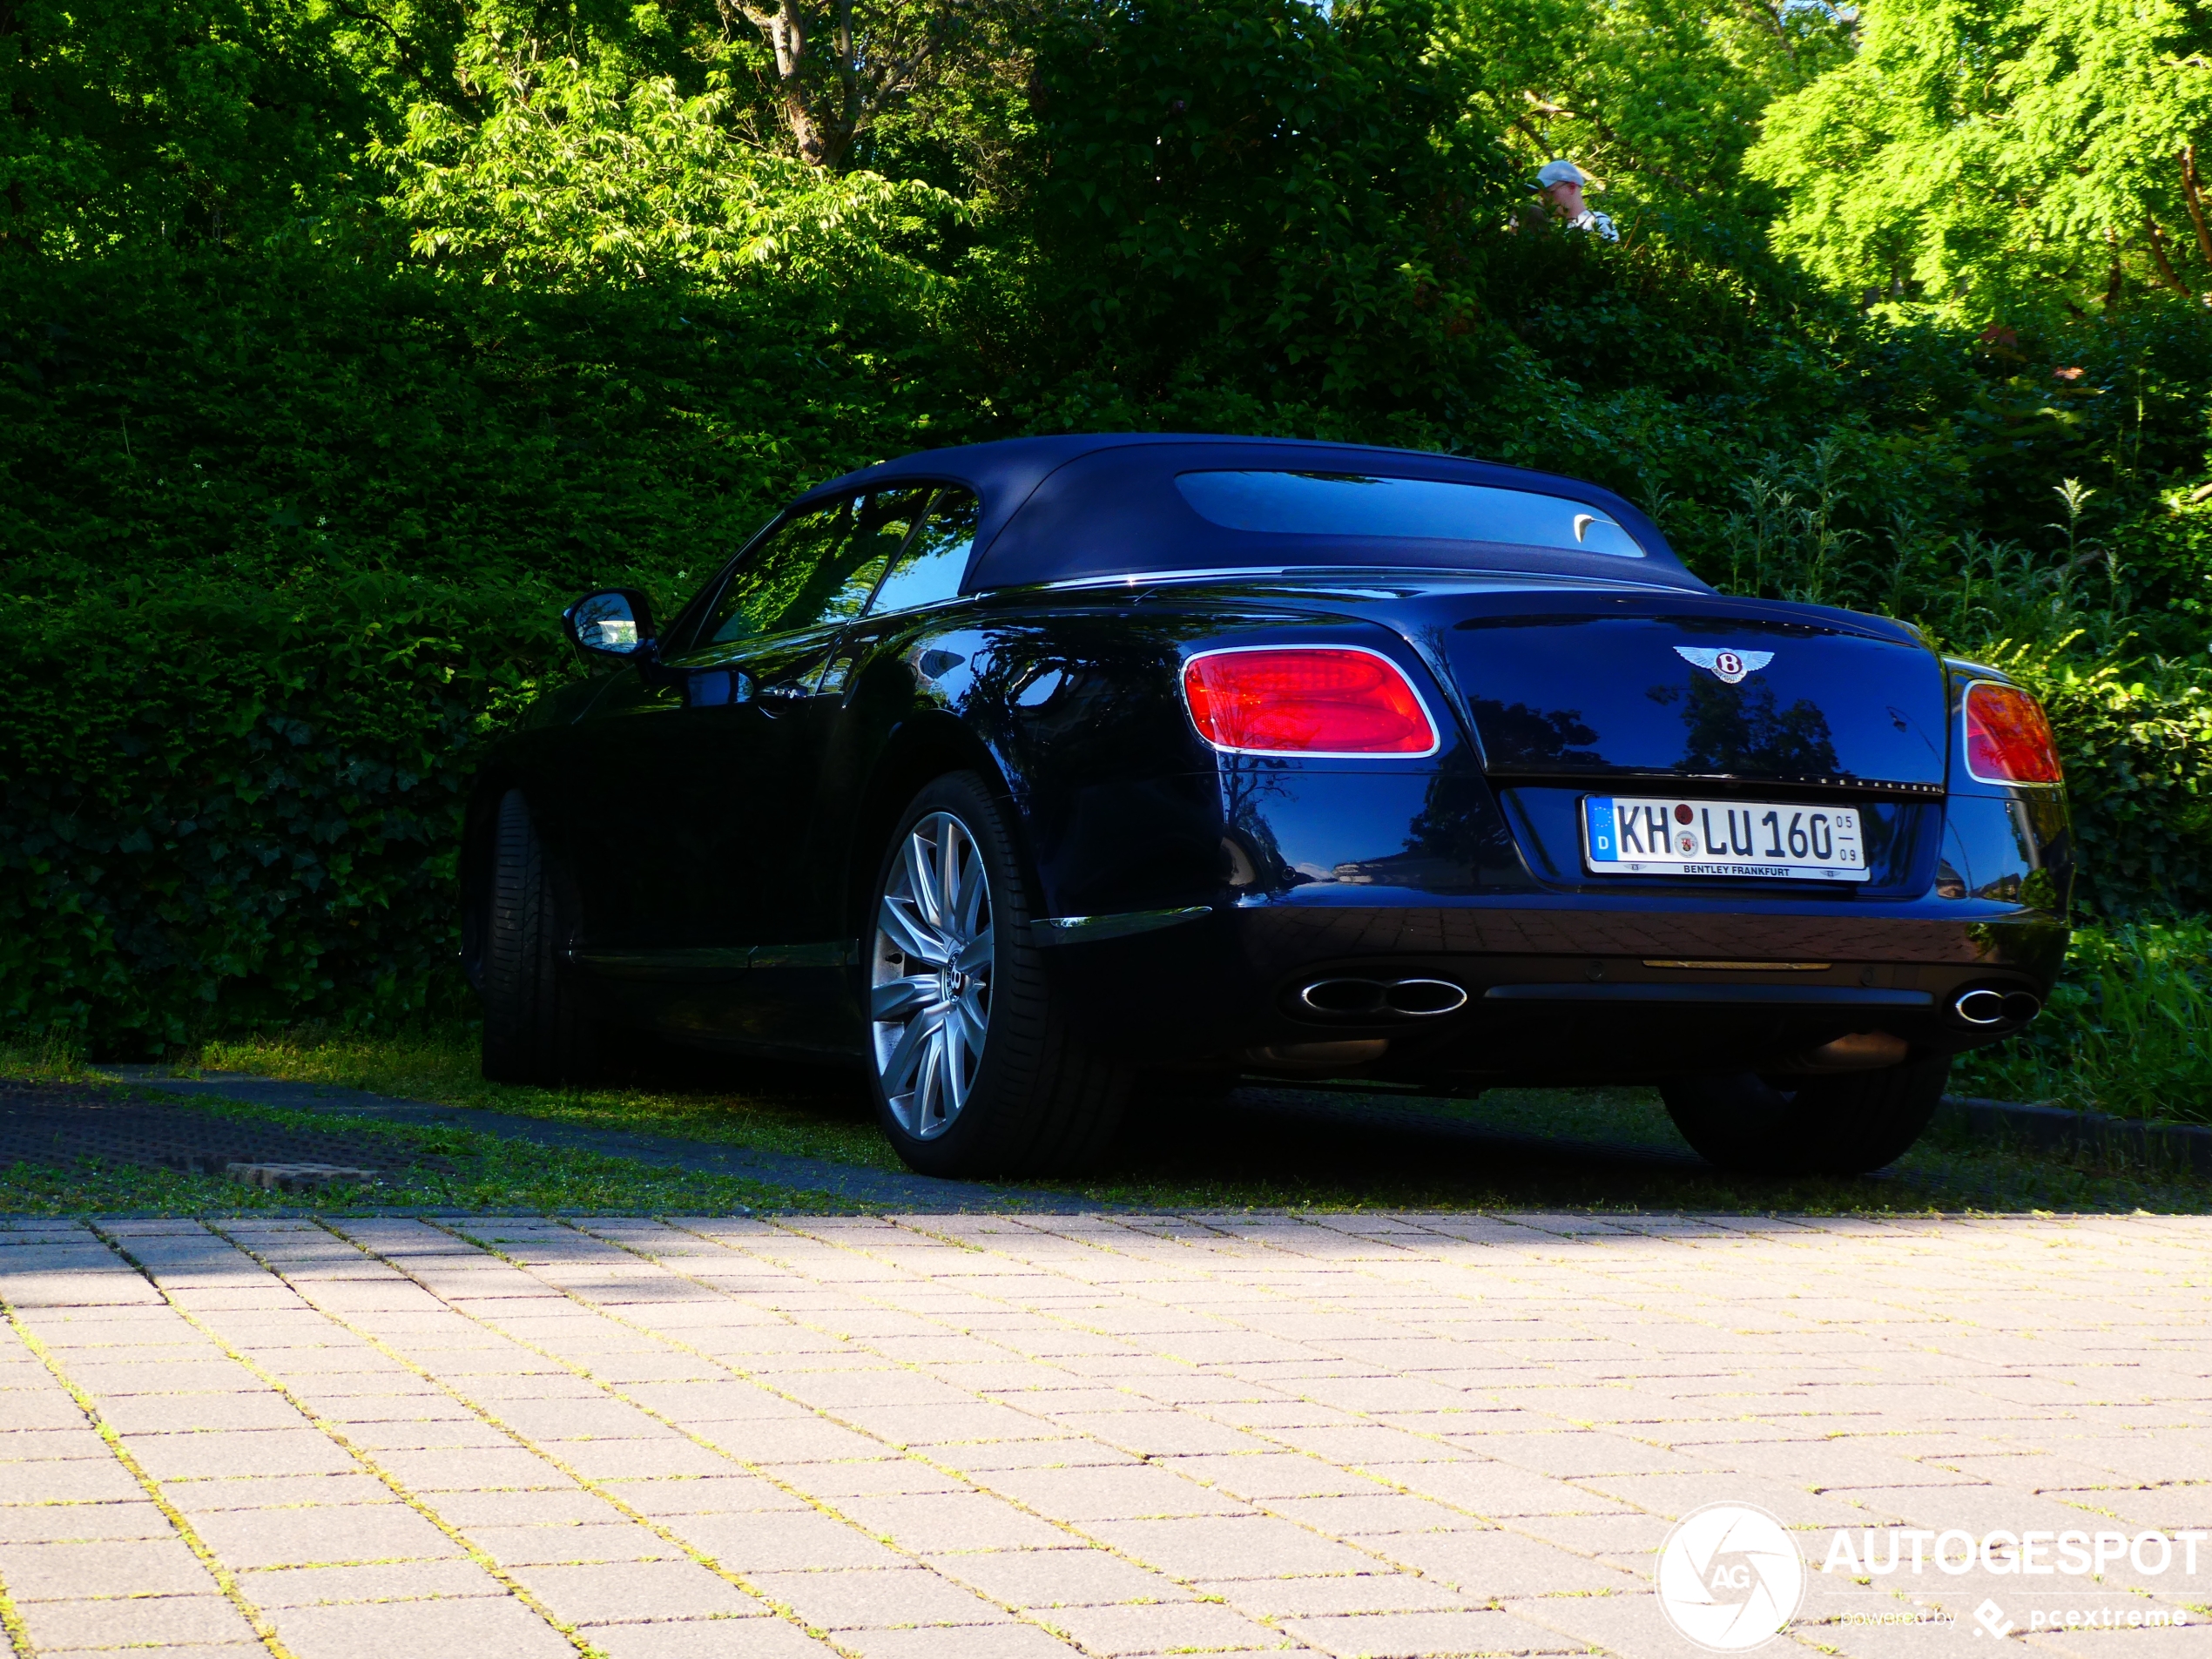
2195,197
785,30
2157,238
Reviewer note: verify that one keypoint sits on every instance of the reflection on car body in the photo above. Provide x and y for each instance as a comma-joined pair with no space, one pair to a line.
1030,774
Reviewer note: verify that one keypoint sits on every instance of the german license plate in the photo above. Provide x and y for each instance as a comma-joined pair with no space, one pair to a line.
1656,835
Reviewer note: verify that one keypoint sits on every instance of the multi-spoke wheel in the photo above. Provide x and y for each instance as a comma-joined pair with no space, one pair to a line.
930,982
976,1068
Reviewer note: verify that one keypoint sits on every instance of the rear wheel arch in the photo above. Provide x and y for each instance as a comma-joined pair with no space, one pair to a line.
916,753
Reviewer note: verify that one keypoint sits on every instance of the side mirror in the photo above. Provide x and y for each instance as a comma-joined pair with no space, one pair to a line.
616,623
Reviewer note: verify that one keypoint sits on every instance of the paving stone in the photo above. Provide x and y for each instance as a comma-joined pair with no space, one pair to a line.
778,1539
966,1641
726,1493
150,1415
841,1599
228,1453
956,1520
75,1572
325,1535
65,1480
376,1630
273,1491
1113,1493
568,1546
135,1621
1257,1547
384,1582
764,1637
472,1471
608,1460
1068,1576
1180,1627
61,1523
633,1589
1376,1592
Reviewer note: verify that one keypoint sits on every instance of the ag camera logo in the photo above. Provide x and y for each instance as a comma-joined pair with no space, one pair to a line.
1729,1577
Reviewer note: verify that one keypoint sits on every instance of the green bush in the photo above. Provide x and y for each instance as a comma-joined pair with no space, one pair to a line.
230,806
2138,753
2128,1030
179,418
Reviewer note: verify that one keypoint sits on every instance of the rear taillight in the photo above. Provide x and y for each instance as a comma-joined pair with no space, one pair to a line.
1306,700
2009,741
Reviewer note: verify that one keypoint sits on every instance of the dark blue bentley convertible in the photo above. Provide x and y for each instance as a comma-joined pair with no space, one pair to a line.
1032,773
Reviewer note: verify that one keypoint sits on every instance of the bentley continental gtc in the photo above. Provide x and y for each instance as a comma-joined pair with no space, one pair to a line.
1031,775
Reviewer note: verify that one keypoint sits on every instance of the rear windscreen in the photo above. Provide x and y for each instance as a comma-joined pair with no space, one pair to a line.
1347,504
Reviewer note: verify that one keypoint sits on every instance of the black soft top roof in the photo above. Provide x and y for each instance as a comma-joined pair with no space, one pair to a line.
1061,508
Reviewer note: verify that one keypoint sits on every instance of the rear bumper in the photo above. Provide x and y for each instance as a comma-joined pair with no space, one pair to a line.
1555,991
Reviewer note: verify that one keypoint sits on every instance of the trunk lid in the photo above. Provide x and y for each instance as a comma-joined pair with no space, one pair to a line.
1692,685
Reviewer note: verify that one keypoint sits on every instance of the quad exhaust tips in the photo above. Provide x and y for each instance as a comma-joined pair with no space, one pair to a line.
1985,1007
1418,999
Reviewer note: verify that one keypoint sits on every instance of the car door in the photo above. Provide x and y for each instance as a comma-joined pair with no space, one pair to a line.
734,755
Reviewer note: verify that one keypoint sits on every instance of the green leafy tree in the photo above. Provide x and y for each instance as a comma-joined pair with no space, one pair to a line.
1657,99
173,121
575,172
1259,190
2003,159
833,72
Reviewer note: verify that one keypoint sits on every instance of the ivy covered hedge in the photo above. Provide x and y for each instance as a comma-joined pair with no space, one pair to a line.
2138,759
228,806
279,542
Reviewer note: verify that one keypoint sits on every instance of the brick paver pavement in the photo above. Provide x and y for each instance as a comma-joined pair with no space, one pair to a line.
999,1436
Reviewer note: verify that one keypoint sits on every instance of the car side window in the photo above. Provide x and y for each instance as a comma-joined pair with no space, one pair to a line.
813,571
936,559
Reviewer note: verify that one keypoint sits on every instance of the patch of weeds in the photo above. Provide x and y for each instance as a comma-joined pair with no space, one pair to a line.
808,1111
487,1173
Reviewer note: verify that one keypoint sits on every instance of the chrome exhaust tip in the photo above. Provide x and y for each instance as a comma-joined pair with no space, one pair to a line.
2020,1006
1982,1006
1350,998
1425,997
1343,997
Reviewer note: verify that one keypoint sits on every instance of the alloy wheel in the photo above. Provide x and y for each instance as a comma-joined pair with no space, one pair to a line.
930,976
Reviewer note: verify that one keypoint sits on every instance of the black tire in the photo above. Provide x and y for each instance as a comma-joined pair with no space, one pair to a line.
1042,1101
1841,1125
539,1024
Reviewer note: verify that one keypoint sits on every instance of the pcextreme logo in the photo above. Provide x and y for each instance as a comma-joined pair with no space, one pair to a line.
1729,1577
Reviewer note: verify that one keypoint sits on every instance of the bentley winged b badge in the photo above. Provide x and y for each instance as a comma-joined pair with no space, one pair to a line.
1728,666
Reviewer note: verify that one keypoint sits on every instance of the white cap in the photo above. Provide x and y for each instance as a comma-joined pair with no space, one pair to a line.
1559,172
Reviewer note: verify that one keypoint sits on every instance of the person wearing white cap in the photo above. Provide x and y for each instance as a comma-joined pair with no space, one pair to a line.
1562,182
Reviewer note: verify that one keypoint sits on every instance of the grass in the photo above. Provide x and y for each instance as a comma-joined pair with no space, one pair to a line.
489,1172
1600,1149
807,1112
2129,1030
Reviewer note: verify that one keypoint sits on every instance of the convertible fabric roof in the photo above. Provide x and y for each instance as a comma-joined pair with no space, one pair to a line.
1061,508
